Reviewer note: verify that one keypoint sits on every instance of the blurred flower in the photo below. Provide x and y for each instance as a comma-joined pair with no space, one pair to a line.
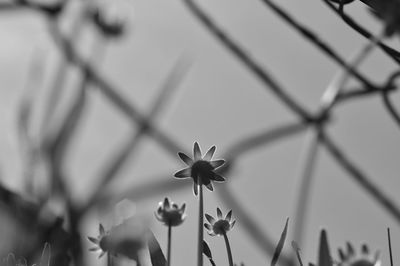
389,12
112,17
11,260
169,213
220,226
97,240
351,258
126,239
201,167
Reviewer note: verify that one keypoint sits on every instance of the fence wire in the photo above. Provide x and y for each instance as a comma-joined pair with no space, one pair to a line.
52,145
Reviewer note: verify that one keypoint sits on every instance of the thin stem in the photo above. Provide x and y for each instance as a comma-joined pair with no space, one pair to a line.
306,180
228,249
252,228
109,259
390,247
200,233
169,245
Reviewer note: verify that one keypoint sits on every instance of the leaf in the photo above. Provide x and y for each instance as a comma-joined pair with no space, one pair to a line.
324,253
156,255
279,247
206,250
46,255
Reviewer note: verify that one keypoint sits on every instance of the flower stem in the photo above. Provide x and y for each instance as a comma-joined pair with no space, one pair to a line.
169,245
109,259
228,249
200,238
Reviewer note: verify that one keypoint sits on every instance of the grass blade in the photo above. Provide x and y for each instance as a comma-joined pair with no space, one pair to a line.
279,247
157,257
324,258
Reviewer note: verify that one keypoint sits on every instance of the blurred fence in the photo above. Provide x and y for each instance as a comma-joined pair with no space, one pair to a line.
52,145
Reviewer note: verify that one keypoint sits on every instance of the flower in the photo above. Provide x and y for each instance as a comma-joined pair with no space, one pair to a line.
169,213
220,226
389,12
350,258
126,239
11,260
97,240
201,167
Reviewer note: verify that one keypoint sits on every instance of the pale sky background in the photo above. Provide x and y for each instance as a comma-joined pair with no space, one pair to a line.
219,103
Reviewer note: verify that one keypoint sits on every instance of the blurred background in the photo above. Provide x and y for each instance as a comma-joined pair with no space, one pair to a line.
218,102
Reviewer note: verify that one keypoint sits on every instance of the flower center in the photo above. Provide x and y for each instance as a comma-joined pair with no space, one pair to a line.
202,169
362,262
220,227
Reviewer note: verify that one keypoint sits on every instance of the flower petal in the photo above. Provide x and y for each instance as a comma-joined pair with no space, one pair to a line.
211,233
166,203
208,226
209,154
183,208
185,158
93,240
341,254
158,216
228,216
183,173
233,224
102,230
196,152
365,249
217,163
210,219
195,188
218,178
377,257
350,249
210,186
219,213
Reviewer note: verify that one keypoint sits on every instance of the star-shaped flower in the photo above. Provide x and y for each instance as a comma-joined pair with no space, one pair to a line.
201,167
169,213
351,258
220,226
126,239
97,240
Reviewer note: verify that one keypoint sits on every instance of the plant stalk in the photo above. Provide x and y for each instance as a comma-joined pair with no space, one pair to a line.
169,245
228,249
200,233
109,259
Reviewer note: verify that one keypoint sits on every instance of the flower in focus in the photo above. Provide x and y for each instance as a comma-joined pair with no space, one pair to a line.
201,167
220,226
169,213
126,239
351,258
